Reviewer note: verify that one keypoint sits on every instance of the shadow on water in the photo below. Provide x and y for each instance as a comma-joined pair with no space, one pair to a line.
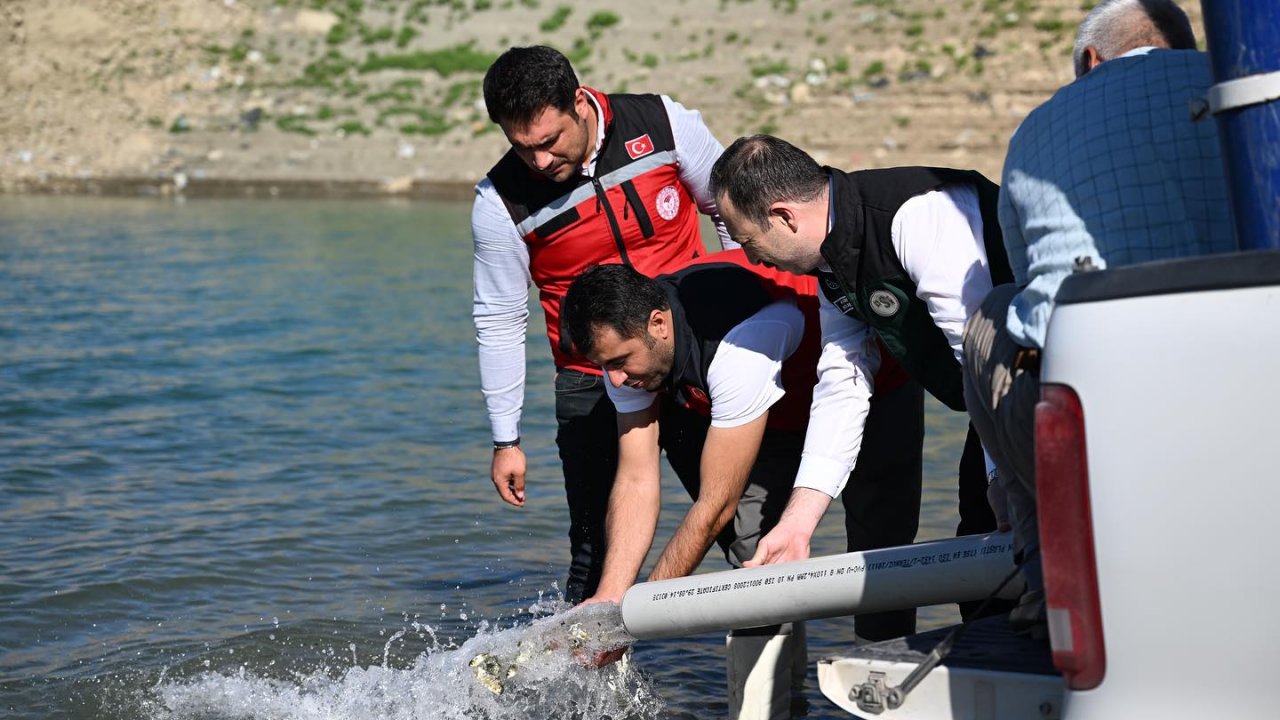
244,475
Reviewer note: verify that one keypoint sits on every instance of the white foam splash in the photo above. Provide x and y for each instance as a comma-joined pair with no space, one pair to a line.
545,660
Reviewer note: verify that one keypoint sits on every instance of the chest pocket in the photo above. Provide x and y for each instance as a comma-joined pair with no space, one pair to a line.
556,224
635,205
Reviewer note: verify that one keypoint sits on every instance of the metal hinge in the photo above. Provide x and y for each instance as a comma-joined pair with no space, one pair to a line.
871,696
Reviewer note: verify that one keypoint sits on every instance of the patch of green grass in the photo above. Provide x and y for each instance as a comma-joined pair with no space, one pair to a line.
396,95
296,124
556,20
580,51
777,67
649,60
446,61
353,127
601,20
456,91
433,125
840,65
407,84
369,35
732,37
324,71
339,33
1053,25
875,67
155,122
914,30
417,11
405,36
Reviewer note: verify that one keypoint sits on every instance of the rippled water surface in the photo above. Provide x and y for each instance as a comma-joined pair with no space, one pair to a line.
243,474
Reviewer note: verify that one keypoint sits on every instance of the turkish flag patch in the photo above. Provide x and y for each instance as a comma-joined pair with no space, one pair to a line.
639,147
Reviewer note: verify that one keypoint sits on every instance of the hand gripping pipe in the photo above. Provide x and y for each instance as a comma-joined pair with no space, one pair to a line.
929,573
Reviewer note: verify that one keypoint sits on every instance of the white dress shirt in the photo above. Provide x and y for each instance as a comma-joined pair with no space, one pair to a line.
937,236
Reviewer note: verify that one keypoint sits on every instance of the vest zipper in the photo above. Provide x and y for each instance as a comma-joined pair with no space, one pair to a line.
613,220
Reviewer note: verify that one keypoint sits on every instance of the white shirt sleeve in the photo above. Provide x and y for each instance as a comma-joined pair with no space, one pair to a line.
744,379
841,399
696,151
500,309
938,238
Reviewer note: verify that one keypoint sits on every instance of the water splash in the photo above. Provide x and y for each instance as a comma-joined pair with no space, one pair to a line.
527,671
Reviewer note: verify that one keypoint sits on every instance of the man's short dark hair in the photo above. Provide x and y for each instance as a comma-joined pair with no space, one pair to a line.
755,172
525,81
609,296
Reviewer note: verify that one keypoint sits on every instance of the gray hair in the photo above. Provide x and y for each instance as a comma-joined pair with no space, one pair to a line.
1114,27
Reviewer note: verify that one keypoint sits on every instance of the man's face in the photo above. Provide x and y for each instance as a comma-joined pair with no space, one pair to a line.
782,243
642,362
556,144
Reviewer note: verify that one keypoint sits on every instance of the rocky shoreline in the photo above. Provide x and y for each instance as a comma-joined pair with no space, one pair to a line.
381,98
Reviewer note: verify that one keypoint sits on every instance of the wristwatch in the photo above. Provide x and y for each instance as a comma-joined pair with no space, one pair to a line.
504,444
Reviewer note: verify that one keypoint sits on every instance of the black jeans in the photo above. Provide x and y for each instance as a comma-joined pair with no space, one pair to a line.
882,499
587,436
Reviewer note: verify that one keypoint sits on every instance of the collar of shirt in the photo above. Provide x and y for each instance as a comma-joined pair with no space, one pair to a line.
590,168
831,217
1139,51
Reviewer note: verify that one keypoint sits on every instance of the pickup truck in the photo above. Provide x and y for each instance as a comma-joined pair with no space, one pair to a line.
1158,487
1157,478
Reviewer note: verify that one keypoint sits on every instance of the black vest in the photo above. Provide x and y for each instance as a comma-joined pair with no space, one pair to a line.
868,282
707,301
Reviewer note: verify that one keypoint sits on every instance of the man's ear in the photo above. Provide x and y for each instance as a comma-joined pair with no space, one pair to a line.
1092,58
786,213
580,102
659,325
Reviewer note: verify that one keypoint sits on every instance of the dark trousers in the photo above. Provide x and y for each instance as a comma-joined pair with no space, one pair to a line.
587,436
882,499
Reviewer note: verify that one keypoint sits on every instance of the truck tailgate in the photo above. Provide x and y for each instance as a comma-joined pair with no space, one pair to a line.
990,674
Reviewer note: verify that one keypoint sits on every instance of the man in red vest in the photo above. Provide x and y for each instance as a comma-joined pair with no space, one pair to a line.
590,178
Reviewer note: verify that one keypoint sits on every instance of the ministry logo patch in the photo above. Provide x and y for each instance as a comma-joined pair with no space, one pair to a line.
668,202
884,303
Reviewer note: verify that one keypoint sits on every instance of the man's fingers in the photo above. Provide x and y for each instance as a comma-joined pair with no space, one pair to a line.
764,553
510,490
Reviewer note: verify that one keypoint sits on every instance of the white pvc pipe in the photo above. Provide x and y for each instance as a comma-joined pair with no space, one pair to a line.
931,573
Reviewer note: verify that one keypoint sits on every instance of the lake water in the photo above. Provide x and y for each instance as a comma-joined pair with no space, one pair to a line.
244,474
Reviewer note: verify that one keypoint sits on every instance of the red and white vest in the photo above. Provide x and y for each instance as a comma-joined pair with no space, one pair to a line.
634,210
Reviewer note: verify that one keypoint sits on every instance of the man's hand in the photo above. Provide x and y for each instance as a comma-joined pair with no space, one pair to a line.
789,540
507,473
